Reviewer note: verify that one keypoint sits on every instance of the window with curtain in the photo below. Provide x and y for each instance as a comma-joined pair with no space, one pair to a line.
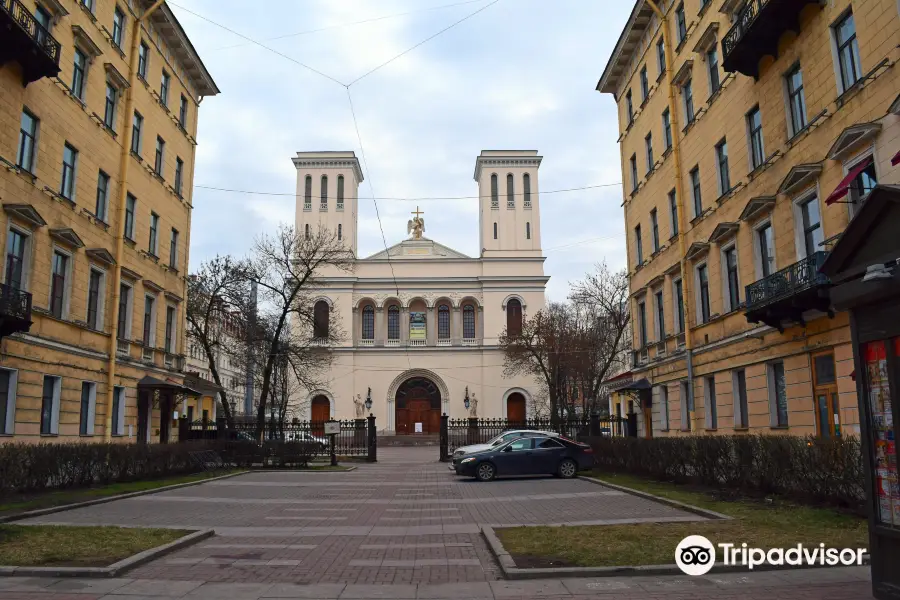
320,319
513,317
469,322
443,322
394,322
368,323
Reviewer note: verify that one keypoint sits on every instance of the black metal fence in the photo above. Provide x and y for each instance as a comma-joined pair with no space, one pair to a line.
357,438
456,433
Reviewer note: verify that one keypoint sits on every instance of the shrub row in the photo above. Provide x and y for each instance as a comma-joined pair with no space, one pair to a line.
806,469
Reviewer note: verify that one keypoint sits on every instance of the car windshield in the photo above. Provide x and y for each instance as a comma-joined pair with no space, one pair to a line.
502,439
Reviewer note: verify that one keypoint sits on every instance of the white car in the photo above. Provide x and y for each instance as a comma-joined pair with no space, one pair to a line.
303,436
504,437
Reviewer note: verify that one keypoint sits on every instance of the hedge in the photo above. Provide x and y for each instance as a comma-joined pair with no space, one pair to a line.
806,469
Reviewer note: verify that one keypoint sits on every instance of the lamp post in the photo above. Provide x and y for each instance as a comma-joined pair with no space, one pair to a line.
369,399
466,400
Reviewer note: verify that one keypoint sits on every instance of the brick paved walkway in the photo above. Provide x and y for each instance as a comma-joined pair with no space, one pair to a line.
403,528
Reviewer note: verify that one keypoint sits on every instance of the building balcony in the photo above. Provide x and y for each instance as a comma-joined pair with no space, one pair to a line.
392,343
367,343
25,41
470,341
444,342
15,310
789,293
756,30
416,343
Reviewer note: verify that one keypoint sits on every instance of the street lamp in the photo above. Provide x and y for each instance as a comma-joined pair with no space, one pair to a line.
466,399
369,399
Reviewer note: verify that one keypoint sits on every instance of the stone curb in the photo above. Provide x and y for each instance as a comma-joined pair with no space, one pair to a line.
115,569
345,470
710,514
55,509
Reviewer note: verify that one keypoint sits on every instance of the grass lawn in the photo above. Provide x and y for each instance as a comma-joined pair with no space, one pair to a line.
59,546
17,504
760,524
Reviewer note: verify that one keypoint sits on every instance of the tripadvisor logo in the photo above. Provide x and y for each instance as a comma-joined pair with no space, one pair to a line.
696,555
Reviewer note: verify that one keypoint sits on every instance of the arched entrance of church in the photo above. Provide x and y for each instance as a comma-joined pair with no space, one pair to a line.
515,408
418,407
320,411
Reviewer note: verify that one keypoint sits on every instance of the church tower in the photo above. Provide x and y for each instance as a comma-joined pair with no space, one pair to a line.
509,207
327,193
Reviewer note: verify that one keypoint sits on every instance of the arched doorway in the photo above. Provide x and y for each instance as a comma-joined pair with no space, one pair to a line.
321,409
515,408
418,407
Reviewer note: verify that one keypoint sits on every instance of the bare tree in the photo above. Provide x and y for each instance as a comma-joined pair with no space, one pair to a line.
287,268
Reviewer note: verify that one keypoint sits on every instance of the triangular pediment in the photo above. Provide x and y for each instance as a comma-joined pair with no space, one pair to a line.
756,207
101,255
67,236
25,212
696,249
851,138
723,231
708,39
799,177
684,73
129,274
421,249
152,286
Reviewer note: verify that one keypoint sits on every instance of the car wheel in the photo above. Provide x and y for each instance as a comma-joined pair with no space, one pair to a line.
568,469
485,472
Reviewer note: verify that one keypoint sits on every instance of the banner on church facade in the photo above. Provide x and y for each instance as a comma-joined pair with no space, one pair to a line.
417,329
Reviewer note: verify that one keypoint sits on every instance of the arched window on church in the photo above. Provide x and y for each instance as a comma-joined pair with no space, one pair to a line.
469,322
307,194
340,196
394,322
443,322
495,193
324,193
340,232
513,317
368,323
527,230
526,189
307,231
510,192
320,320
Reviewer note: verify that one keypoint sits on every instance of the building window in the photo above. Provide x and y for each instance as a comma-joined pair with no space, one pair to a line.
861,185
680,23
323,192
340,192
137,127
812,225
183,112
754,127
778,407
664,407
118,27
153,245
642,324
78,74
731,277
118,411
16,242
648,146
712,412
27,141
495,230
43,18
307,192
687,91
661,56
394,322
510,191
526,189
148,333
86,416
123,321
638,246
796,100
110,105
528,230
766,243
164,88
741,420
673,212
160,155
368,323
179,176
443,322
143,60
95,283
695,191
712,63
667,128
469,322
321,315
654,230
703,291
173,249
69,165
645,85
102,196
847,51
88,4
679,306
513,317
634,173
7,400
50,405
340,232
629,107
58,283
170,330
130,206
660,317
722,164
686,406
495,194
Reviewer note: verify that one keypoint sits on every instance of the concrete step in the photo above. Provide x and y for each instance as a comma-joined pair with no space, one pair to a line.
423,439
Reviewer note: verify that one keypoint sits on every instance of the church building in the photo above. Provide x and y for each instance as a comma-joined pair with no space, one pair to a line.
422,321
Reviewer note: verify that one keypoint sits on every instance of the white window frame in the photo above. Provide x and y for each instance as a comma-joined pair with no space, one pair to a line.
129,313
9,426
796,202
660,334
708,401
119,397
101,300
67,292
757,248
685,398
762,137
786,91
26,261
676,326
723,143
736,399
92,408
54,412
773,396
663,403
699,303
852,163
153,319
174,349
835,59
726,298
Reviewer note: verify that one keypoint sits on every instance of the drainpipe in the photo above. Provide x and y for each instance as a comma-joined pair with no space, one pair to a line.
686,282
124,162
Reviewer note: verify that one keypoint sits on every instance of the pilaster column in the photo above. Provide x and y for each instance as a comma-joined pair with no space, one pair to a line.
404,324
429,326
456,325
354,334
480,326
380,330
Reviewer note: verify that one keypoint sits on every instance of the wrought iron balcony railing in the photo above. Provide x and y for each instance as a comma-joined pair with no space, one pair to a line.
48,49
788,282
741,25
15,310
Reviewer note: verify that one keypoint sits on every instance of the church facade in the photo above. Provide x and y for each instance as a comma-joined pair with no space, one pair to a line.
421,322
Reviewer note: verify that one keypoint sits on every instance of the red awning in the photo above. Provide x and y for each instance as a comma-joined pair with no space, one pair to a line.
896,160
844,186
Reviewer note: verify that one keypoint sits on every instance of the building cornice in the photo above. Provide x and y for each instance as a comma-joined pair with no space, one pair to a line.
325,162
511,161
617,66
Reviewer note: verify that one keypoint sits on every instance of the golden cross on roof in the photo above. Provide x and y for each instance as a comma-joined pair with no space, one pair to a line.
418,212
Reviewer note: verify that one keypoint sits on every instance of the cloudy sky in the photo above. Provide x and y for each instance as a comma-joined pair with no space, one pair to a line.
518,74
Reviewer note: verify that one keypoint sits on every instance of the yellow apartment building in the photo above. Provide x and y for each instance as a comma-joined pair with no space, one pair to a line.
98,118
750,134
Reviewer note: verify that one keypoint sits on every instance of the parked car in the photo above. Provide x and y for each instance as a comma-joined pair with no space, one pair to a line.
544,455
504,437
304,436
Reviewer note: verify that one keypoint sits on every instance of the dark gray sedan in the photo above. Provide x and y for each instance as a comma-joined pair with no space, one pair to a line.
527,456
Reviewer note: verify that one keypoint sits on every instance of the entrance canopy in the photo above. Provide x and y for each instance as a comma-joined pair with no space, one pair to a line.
149,383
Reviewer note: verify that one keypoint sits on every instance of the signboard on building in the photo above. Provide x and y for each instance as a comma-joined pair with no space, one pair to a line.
332,427
417,330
